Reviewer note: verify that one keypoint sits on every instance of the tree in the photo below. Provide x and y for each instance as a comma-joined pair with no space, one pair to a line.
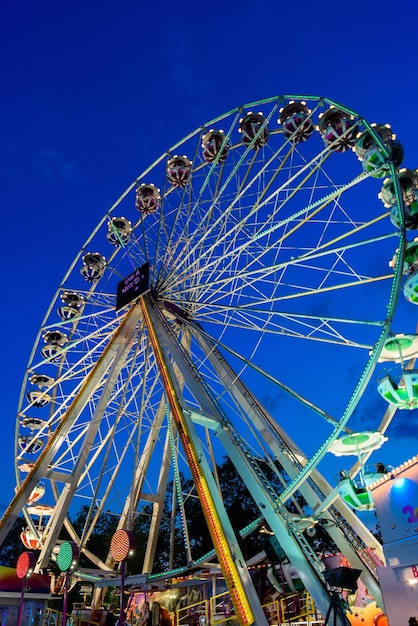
239,505
12,546
100,538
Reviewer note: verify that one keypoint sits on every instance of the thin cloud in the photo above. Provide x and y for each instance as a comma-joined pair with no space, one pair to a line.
186,77
49,163
404,424
54,165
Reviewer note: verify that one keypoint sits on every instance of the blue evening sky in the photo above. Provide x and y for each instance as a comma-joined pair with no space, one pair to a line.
93,92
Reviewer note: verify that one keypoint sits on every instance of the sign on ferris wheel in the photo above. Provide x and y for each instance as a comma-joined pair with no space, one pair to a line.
133,286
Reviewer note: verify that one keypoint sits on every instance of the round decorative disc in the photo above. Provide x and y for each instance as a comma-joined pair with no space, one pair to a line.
123,541
68,553
25,564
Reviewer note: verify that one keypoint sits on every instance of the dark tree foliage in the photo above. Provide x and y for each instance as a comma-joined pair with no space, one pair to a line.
100,539
106,526
321,541
239,504
240,507
140,528
12,546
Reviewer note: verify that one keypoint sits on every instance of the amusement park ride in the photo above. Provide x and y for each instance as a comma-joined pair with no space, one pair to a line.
242,308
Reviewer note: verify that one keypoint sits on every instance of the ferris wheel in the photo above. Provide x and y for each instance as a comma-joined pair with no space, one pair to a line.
233,301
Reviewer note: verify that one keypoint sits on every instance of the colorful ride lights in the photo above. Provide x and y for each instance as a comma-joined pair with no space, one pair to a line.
67,558
25,564
24,568
122,545
68,555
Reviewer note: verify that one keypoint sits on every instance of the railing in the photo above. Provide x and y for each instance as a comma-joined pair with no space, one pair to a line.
52,617
220,608
271,610
193,615
299,608
315,622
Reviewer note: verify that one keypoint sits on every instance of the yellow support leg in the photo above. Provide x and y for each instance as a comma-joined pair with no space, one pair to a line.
226,560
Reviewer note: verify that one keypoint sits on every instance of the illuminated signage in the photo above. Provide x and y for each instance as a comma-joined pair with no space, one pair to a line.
133,286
